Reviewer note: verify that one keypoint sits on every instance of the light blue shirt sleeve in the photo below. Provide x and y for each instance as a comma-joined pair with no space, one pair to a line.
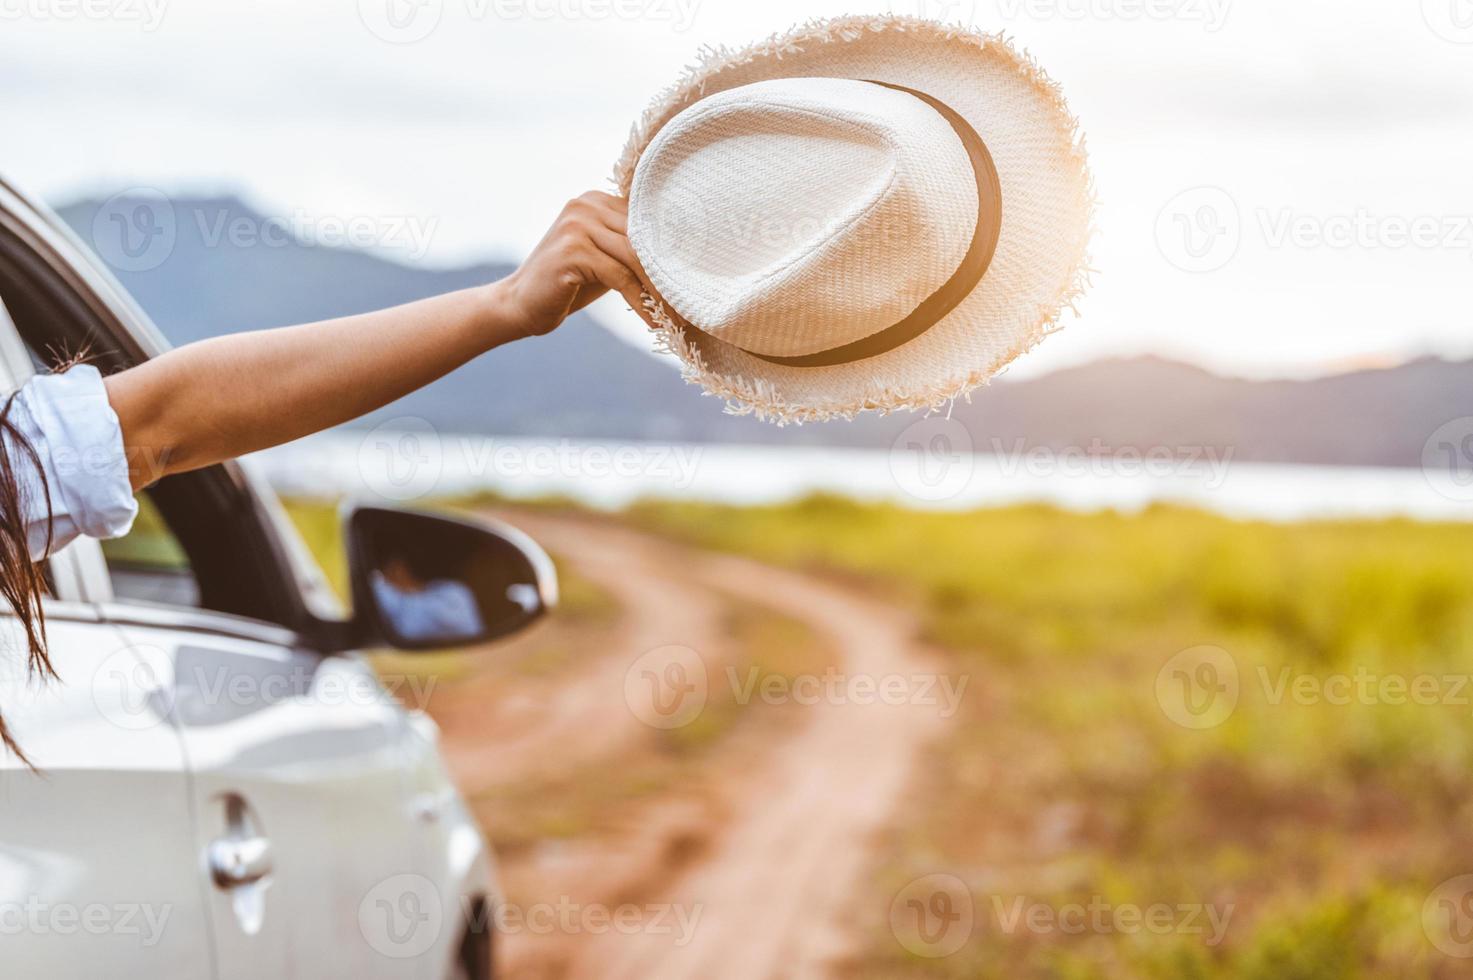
68,421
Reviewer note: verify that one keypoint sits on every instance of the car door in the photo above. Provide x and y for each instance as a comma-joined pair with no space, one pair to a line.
95,864
303,824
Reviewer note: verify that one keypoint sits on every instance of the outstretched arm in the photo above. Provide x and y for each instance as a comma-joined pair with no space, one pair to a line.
232,395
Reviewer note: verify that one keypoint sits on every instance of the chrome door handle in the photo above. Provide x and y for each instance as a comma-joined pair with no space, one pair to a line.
234,863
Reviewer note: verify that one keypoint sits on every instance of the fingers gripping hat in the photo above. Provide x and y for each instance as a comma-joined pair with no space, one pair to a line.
869,213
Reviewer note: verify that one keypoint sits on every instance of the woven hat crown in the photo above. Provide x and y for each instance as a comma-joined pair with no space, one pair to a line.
796,215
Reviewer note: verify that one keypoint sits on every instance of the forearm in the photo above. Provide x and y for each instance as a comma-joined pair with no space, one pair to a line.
232,395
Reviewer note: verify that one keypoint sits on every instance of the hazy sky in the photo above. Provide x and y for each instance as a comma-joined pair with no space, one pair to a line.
1284,186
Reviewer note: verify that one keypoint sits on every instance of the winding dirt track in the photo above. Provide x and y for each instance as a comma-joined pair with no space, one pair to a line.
775,887
561,725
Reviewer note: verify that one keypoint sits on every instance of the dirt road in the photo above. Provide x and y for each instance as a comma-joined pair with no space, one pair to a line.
562,724
772,889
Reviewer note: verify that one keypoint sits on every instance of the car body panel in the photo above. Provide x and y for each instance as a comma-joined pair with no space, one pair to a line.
92,870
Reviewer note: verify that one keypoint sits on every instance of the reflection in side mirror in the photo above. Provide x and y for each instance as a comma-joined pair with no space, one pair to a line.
423,582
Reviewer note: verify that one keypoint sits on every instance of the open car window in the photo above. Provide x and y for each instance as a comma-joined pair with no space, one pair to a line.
149,564
202,540
197,544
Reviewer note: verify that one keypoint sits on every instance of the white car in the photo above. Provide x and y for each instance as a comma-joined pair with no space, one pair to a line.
225,789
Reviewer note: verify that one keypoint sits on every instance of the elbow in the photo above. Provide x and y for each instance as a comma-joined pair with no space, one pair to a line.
152,443
152,456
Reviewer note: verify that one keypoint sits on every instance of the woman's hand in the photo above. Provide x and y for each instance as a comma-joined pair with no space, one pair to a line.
584,255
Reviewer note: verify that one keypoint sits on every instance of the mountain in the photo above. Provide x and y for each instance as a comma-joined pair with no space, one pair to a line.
582,382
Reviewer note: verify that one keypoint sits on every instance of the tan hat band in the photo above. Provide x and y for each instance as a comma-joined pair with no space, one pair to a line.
969,273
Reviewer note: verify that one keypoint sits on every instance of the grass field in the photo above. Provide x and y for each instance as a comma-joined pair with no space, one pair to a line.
1188,747
1099,757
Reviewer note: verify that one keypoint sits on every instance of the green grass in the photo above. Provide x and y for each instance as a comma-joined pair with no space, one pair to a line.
150,544
1323,825
321,526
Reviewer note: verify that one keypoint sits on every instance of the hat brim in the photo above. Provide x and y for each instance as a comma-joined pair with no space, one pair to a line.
1041,265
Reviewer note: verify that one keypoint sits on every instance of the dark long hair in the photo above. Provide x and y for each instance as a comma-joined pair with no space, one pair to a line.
21,581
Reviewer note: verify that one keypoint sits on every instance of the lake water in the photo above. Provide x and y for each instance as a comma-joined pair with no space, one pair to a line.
404,465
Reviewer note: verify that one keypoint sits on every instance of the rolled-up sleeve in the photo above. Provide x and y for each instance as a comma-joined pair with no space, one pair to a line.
68,421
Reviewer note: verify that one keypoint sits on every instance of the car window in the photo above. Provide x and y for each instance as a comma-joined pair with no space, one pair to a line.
203,539
149,564
197,543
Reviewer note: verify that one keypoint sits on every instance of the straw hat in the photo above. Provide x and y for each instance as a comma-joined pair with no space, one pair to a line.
868,213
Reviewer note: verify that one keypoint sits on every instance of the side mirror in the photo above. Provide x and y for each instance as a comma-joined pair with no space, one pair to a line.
426,582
